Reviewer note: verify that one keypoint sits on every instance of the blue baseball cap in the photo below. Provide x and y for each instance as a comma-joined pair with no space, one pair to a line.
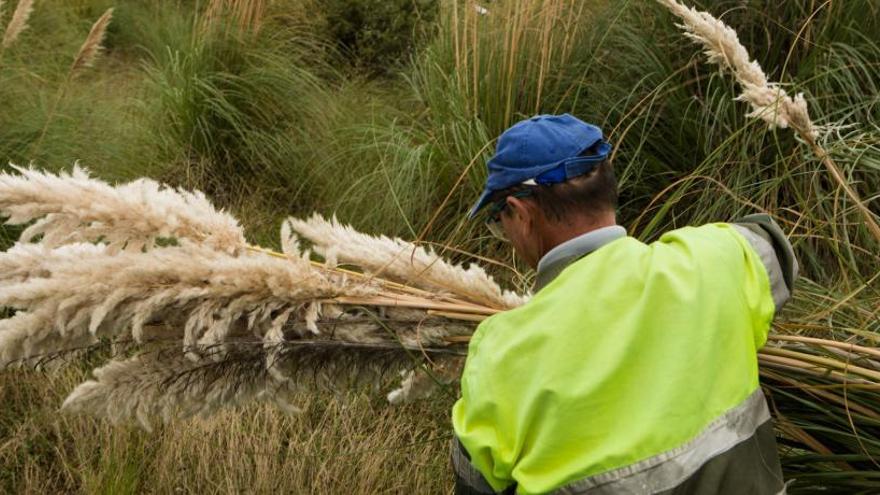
545,149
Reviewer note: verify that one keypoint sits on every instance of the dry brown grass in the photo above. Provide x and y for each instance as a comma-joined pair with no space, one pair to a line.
246,15
351,444
93,44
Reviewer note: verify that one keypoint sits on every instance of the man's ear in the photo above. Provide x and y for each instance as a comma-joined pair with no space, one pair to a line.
524,210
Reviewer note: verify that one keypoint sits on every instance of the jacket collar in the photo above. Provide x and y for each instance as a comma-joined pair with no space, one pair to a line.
558,258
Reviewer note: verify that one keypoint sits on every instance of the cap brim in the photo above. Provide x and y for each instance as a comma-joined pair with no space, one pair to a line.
483,201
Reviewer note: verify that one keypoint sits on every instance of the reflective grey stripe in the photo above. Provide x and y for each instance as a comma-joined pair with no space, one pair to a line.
466,471
671,468
765,227
765,250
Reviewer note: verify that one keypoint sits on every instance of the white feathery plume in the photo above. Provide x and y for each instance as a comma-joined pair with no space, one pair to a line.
93,43
71,208
18,23
414,385
402,261
419,383
722,46
85,57
207,292
289,242
273,341
768,100
23,260
166,385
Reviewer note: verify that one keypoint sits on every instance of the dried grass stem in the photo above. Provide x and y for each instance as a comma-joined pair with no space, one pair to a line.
18,23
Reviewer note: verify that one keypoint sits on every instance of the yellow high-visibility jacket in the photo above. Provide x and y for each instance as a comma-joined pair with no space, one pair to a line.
634,370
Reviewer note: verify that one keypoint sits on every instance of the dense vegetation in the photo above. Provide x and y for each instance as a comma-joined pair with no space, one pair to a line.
384,113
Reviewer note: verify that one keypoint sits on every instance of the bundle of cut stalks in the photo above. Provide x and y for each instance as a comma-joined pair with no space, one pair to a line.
203,318
200,319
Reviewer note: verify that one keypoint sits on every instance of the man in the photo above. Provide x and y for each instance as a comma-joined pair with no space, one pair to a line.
633,369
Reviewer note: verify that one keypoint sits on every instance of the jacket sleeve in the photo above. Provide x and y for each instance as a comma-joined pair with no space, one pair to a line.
776,253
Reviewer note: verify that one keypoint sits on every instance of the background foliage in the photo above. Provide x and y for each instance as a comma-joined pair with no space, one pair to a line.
384,113
378,35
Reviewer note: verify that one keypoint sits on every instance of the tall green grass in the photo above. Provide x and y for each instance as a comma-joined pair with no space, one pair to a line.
96,120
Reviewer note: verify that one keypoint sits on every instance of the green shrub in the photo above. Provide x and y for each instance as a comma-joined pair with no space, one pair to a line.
379,34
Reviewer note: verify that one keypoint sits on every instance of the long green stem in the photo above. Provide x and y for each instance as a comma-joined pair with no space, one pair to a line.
62,90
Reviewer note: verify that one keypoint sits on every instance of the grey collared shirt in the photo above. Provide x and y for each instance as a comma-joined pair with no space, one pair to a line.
552,263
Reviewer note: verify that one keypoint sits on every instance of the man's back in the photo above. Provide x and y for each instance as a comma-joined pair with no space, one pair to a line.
632,371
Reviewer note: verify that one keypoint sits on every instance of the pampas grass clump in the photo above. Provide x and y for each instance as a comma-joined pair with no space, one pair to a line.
215,320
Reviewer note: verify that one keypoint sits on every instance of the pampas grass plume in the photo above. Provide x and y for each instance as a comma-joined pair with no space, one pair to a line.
18,23
768,100
722,46
93,44
402,261
74,207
